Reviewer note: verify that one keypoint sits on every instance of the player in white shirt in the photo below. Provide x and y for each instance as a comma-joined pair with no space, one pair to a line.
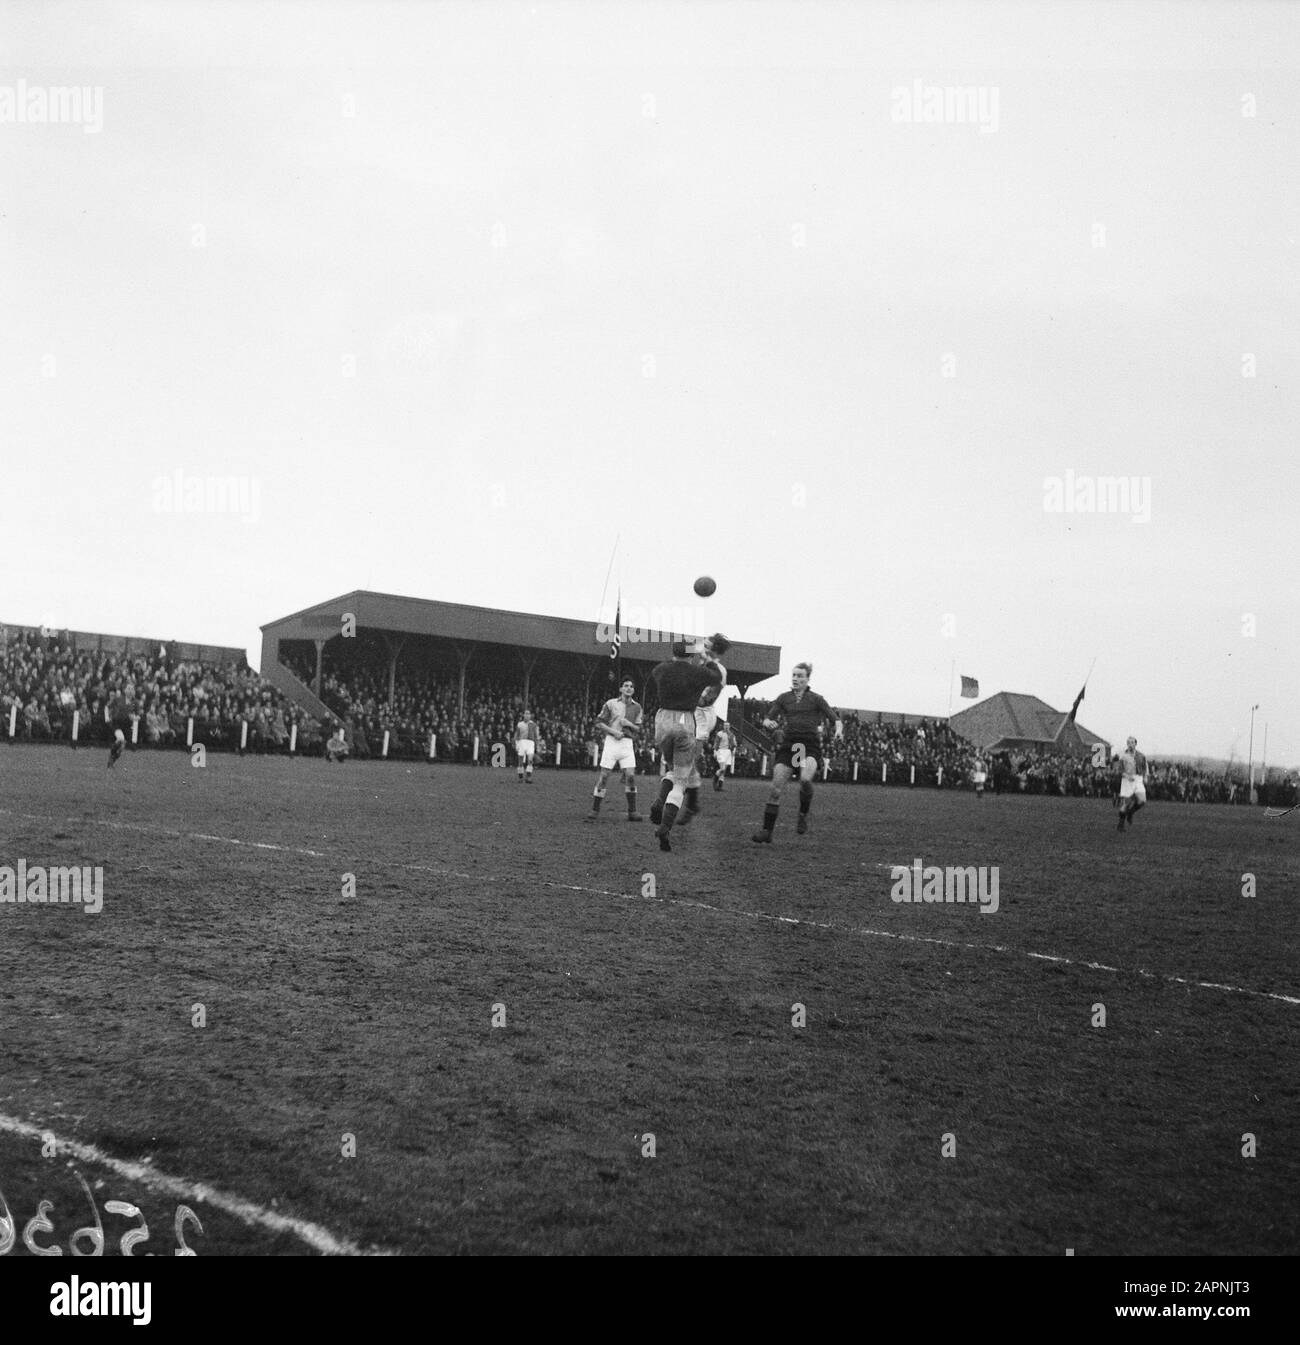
1132,786
620,719
710,711
724,751
526,736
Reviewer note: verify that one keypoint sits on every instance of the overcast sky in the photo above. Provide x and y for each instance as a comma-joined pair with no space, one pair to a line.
462,293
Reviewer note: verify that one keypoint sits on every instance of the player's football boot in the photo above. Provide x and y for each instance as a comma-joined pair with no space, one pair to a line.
663,839
765,837
635,817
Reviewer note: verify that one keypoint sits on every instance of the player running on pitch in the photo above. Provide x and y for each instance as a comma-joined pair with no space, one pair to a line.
679,684
1132,786
526,738
621,720
119,746
802,711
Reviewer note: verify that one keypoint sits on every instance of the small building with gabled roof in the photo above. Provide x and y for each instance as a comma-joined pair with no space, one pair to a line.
1016,721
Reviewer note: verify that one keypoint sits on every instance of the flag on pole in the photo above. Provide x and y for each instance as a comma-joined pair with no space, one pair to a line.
618,621
1074,709
970,687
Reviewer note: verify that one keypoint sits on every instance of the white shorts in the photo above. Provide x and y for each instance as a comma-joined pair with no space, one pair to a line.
526,747
1132,785
706,720
723,756
979,777
619,752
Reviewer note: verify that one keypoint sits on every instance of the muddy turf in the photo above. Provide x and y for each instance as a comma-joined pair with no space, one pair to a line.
347,1074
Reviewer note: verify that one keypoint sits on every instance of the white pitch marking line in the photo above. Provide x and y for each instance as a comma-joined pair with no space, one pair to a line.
701,906
318,1238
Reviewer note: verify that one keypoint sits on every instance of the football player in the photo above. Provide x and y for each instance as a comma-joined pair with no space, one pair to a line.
713,700
679,684
724,751
802,711
119,746
526,736
620,719
1132,786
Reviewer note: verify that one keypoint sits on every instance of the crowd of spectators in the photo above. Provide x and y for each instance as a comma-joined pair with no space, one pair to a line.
50,684
928,753
47,681
427,703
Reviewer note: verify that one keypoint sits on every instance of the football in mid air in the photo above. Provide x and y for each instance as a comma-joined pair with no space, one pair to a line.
705,586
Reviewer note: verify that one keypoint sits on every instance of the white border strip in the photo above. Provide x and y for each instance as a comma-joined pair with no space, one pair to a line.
318,1238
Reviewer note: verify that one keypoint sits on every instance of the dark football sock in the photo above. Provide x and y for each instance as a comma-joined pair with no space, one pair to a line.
769,816
670,816
805,797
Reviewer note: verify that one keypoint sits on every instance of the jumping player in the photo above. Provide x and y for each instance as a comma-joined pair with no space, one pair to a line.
119,746
713,704
679,684
802,711
526,736
621,720
1132,787
712,700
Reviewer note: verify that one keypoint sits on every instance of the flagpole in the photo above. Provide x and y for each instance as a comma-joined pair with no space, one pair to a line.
618,618
951,672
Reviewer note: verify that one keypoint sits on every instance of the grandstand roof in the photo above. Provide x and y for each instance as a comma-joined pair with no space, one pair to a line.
746,663
1017,719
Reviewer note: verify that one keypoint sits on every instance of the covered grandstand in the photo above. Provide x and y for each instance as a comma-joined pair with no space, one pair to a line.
425,636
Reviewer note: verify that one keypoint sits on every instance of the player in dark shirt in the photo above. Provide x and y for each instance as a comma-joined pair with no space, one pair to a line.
802,712
679,684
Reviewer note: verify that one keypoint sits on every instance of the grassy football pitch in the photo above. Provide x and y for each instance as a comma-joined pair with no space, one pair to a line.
642,994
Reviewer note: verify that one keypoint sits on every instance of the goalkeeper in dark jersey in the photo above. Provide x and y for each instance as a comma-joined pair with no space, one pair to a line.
679,684
802,712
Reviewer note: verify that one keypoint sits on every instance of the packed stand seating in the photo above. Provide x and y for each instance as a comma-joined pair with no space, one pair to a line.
354,685
49,682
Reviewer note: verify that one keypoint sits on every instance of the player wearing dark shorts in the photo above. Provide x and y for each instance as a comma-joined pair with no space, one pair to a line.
802,712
